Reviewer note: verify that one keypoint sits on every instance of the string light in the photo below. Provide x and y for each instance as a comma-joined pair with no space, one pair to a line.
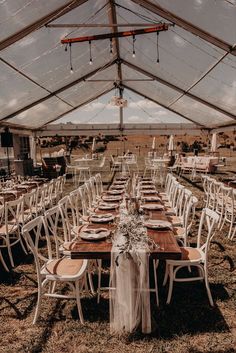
158,58
90,54
111,46
134,39
71,67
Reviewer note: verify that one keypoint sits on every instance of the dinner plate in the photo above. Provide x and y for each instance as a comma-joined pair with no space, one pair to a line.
158,224
149,186
115,192
151,199
146,182
120,182
112,198
94,234
147,191
122,178
101,218
107,206
152,207
117,187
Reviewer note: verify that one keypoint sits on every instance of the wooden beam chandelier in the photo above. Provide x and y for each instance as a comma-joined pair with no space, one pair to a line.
132,33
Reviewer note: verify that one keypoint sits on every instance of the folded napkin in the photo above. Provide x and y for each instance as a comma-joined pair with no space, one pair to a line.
158,224
151,199
115,192
109,206
99,216
94,234
94,231
152,206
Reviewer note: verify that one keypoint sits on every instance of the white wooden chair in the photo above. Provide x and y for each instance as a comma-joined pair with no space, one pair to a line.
195,257
52,269
10,229
2,246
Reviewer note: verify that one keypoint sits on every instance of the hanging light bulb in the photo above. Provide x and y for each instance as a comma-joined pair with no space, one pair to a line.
133,54
158,58
90,54
71,66
111,47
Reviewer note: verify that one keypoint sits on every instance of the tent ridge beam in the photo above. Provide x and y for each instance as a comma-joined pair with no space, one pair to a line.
188,26
178,89
40,23
165,106
113,19
60,90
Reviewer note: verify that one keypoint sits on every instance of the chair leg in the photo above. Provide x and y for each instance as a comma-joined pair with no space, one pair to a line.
231,227
233,235
3,262
80,312
90,281
23,247
171,281
10,253
99,280
208,289
155,265
38,306
166,275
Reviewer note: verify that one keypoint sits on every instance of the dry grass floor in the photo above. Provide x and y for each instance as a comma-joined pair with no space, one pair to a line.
188,324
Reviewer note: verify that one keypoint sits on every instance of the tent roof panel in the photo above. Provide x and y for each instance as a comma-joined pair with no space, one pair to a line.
16,91
40,114
215,17
15,15
200,113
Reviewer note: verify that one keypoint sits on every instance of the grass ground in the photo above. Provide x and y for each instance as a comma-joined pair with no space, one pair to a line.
188,324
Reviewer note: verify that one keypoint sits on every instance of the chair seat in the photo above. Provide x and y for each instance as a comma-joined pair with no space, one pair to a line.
175,220
169,211
11,229
179,231
63,267
190,254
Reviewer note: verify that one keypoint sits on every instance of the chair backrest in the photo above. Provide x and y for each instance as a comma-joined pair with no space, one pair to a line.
13,213
2,208
178,204
230,201
67,219
29,202
190,212
208,221
84,200
76,205
99,184
93,190
89,191
102,162
32,233
173,192
54,233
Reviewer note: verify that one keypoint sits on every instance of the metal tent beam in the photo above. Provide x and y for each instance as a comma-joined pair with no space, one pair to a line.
188,26
178,89
164,106
113,19
40,23
60,90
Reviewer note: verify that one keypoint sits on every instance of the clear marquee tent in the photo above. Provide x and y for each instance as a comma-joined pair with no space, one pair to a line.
191,88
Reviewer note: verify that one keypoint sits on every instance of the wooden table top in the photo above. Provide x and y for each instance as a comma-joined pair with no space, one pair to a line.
101,249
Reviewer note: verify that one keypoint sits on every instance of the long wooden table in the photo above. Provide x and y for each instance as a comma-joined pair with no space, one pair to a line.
168,246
